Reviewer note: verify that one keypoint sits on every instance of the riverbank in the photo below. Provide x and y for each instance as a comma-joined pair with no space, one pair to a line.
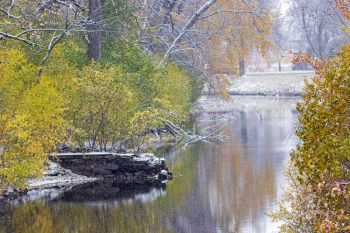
72,169
55,177
271,84
210,185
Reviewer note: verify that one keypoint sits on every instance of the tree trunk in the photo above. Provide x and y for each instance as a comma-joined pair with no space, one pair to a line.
307,33
241,67
2,159
95,29
279,66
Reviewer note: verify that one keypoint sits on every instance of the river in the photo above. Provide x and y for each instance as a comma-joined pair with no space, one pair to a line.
218,187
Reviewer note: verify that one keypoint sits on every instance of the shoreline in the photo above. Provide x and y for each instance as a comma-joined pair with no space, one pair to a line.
57,177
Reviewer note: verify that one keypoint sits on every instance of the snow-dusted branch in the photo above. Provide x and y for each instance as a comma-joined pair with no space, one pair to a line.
52,44
26,41
229,11
188,26
186,137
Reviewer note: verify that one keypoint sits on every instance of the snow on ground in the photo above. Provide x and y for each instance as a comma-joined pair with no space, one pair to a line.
56,176
283,83
261,105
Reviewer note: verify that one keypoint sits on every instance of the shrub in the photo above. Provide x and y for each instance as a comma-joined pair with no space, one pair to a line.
31,118
101,108
94,104
319,200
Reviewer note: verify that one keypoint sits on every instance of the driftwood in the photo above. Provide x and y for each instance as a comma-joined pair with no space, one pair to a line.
179,135
186,137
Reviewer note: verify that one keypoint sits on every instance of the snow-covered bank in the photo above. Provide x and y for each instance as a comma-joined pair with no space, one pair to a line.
56,176
107,168
254,104
283,83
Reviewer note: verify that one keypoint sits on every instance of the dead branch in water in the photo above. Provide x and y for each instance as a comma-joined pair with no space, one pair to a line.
186,137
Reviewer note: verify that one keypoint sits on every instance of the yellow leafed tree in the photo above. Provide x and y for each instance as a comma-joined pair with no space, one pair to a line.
31,118
239,31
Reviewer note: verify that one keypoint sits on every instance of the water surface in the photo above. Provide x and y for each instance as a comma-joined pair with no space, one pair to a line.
219,187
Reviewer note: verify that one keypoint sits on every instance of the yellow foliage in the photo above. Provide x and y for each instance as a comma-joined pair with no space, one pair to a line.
174,93
321,161
239,34
31,119
102,106
95,106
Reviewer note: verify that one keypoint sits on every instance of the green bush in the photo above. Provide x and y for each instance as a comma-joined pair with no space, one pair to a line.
319,200
84,103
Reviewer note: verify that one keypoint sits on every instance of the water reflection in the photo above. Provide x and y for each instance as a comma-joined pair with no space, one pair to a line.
98,192
221,187
243,176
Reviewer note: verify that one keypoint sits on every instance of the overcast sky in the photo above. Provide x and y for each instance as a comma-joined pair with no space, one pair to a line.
284,6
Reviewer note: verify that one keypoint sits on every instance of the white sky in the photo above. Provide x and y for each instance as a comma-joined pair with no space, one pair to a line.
284,6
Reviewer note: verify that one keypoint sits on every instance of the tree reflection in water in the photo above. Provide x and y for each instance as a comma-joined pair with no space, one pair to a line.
219,187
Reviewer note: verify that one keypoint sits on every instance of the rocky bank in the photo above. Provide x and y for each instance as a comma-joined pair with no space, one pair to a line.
72,169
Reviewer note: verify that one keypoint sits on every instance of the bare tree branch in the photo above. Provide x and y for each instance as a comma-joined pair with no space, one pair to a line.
7,35
228,11
187,26
50,47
